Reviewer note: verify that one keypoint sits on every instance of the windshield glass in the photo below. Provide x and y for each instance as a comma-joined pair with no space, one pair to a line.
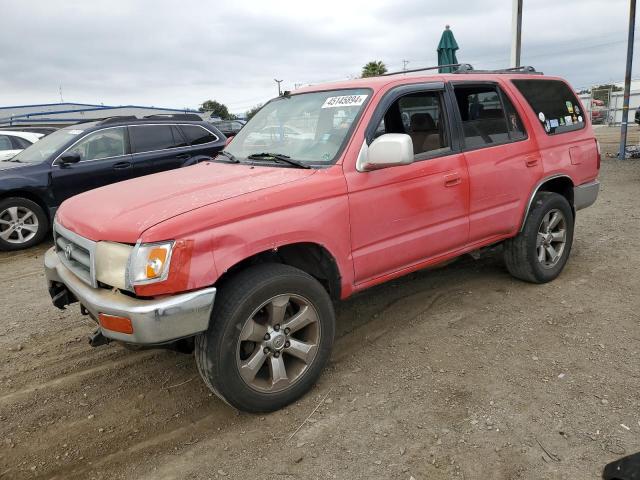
308,127
44,148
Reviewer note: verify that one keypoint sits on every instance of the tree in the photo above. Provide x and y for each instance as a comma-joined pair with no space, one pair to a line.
217,109
373,69
252,111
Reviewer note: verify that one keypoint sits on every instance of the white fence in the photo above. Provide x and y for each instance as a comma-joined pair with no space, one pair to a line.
611,112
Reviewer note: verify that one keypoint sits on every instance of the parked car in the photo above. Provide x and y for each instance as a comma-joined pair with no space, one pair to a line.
245,255
43,130
229,127
12,143
89,155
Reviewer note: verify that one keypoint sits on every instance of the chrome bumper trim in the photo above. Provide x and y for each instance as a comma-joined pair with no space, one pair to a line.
155,321
585,195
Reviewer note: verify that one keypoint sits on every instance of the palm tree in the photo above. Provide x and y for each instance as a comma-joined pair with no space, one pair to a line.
373,69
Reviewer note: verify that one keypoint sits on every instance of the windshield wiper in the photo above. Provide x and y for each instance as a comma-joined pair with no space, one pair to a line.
278,157
232,158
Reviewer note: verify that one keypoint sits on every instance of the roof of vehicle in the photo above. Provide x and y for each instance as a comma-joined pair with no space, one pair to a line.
379,82
26,135
124,121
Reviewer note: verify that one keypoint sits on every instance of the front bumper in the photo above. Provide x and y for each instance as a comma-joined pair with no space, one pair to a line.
585,195
155,321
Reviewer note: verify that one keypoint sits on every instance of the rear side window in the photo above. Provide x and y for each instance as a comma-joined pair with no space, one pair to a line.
150,138
554,103
20,143
483,118
196,135
514,124
5,143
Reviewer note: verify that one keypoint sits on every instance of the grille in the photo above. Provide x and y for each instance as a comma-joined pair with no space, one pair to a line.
76,253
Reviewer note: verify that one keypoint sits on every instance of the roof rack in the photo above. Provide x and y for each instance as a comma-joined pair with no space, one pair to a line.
527,69
174,116
108,120
459,67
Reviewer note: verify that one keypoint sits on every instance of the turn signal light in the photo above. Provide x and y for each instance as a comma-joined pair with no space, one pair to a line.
155,262
115,323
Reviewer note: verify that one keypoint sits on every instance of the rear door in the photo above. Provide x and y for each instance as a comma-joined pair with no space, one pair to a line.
104,159
157,147
503,160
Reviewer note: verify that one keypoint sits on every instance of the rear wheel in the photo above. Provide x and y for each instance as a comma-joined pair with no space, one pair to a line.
540,251
23,223
269,338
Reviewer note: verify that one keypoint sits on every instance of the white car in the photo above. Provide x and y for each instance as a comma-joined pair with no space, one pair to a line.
13,142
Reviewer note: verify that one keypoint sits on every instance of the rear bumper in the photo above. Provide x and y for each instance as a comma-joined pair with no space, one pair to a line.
154,321
585,195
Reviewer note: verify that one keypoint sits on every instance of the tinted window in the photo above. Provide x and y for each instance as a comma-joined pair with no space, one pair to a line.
483,119
553,102
20,143
197,135
5,143
419,115
149,138
101,144
514,124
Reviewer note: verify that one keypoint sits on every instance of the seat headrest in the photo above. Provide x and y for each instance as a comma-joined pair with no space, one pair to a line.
422,122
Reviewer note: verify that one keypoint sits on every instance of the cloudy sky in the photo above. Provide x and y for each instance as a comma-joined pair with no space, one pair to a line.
180,53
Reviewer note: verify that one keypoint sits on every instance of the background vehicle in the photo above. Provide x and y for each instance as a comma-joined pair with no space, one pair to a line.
43,130
378,178
229,127
86,156
12,143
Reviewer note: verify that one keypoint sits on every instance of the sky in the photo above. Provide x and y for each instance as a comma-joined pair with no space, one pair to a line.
180,53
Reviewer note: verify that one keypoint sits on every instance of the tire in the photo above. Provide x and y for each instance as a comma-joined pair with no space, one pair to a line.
527,255
23,224
247,341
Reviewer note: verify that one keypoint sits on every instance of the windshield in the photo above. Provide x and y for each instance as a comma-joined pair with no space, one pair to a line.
308,127
44,148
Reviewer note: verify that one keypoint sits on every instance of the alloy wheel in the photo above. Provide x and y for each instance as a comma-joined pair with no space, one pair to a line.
551,239
18,225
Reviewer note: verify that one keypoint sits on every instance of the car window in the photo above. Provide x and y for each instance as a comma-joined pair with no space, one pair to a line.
514,124
102,144
554,103
20,143
483,118
5,143
196,135
151,138
421,116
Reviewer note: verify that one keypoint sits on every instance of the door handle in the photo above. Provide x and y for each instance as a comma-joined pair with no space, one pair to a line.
121,165
531,161
452,180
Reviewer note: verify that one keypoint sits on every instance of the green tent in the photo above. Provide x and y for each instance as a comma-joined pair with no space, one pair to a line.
447,51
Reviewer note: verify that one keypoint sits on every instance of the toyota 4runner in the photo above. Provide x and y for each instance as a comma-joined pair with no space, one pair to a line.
327,191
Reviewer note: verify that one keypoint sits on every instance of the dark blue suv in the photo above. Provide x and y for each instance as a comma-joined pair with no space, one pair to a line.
89,155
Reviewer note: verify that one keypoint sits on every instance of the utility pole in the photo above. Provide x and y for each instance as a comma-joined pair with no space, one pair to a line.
60,90
516,33
627,81
278,82
404,65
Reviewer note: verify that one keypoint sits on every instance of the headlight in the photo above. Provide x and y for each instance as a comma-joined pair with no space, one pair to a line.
111,263
149,263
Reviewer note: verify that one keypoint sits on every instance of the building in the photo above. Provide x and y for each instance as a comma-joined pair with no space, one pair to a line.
63,114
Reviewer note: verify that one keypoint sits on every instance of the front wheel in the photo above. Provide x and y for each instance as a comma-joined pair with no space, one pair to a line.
23,223
269,338
540,251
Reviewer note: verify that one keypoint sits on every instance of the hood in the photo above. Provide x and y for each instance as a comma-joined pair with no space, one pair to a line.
122,211
8,165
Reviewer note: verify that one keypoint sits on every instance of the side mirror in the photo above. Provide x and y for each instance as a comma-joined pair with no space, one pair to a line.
388,150
69,158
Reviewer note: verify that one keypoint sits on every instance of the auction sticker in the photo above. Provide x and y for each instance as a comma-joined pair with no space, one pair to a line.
344,101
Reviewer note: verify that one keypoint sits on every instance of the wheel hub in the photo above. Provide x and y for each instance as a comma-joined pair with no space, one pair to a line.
277,341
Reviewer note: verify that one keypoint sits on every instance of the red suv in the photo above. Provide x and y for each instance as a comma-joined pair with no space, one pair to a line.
327,191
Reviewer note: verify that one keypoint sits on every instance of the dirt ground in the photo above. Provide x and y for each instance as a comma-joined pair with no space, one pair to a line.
461,372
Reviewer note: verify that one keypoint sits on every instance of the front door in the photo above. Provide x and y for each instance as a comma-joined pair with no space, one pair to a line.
104,159
405,215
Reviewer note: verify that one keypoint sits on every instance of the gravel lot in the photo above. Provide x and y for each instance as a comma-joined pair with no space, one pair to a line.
460,372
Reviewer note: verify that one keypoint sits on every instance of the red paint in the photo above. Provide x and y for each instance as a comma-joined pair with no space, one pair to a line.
377,225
